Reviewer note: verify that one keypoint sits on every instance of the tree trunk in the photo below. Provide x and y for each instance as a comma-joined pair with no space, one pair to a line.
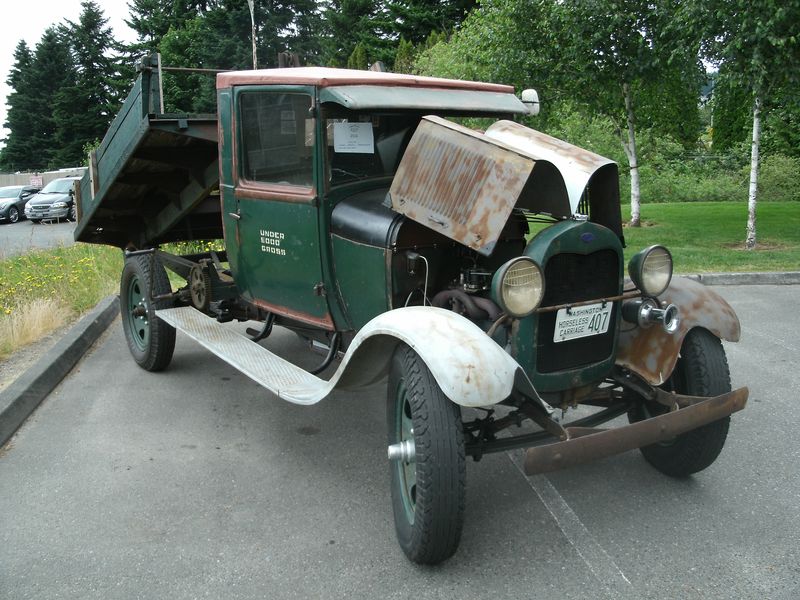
629,145
752,198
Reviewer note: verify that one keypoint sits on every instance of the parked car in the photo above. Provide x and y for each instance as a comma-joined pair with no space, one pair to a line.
55,201
12,201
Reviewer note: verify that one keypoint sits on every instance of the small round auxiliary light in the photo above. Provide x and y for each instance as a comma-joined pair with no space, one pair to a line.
518,286
651,270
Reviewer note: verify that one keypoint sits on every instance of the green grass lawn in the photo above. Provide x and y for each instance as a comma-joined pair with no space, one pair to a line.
708,237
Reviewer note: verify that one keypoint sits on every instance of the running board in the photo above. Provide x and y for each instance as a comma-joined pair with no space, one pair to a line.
278,375
468,365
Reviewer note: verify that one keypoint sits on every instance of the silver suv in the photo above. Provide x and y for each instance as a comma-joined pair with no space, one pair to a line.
55,201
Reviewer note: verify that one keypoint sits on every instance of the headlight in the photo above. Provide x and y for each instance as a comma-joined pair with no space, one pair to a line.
518,286
59,205
651,270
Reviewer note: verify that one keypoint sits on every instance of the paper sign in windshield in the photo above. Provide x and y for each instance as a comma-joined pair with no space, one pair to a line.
353,138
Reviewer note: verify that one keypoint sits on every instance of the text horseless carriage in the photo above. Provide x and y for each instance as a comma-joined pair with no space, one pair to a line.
482,271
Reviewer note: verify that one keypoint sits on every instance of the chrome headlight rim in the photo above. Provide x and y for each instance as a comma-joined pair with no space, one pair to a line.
639,263
498,287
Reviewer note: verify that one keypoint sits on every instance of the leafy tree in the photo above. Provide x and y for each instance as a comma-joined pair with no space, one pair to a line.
730,103
758,40
16,153
507,41
84,109
618,55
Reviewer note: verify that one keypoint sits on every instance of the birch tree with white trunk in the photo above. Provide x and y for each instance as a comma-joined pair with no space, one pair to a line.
616,50
759,42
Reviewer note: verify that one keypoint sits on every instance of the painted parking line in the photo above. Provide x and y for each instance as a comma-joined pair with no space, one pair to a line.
602,566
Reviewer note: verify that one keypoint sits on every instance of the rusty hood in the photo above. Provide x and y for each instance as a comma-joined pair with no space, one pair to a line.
464,183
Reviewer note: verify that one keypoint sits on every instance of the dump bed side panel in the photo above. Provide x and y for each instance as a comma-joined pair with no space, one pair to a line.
154,178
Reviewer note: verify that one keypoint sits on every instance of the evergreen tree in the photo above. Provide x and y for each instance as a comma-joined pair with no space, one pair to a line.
16,153
51,71
404,59
415,20
84,110
358,59
350,22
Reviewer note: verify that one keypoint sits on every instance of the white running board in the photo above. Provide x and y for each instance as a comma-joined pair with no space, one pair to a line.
468,365
278,375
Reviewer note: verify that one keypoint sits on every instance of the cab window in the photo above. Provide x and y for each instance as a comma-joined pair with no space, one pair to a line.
277,138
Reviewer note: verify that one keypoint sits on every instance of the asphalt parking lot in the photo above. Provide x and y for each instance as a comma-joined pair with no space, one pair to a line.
22,237
197,483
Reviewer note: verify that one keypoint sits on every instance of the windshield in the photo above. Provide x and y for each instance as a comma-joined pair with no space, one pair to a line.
366,146
10,192
58,186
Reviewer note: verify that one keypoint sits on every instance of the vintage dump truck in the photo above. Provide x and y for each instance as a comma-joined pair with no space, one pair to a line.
481,271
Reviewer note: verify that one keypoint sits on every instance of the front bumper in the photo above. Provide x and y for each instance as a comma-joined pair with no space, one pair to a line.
586,444
46,212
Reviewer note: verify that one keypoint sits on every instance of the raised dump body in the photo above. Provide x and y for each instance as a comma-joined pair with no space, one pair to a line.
155,176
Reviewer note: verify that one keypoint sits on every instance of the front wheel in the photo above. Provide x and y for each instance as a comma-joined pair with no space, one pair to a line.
73,214
702,370
428,486
151,341
13,214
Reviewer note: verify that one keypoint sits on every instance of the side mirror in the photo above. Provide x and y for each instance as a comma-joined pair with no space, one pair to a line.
530,98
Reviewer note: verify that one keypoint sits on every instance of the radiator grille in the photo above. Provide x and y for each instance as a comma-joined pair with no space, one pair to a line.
574,278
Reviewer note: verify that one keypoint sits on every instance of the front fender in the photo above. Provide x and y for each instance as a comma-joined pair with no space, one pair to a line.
652,352
470,368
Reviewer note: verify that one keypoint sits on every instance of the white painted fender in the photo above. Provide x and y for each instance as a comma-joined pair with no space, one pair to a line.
469,366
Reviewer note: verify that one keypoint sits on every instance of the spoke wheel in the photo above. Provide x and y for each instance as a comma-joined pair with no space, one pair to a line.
150,340
428,489
13,214
702,370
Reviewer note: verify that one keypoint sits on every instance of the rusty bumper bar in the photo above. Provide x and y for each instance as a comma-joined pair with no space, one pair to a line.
585,445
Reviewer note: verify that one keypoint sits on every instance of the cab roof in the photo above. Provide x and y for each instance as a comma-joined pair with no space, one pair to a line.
328,77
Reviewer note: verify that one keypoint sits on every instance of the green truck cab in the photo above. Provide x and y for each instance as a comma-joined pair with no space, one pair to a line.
479,271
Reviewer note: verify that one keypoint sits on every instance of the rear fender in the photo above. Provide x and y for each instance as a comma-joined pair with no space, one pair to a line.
652,352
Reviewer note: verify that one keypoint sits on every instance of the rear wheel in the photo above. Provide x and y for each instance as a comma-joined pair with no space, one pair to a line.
702,370
428,488
13,214
151,341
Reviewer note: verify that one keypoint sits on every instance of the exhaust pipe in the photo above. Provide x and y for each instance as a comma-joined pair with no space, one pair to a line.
645,312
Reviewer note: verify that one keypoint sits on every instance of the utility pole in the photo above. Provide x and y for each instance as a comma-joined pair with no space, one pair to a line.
251,3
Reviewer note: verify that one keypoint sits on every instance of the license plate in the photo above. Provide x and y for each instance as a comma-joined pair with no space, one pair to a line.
582,321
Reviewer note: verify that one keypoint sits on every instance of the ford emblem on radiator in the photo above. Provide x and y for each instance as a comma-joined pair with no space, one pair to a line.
587,238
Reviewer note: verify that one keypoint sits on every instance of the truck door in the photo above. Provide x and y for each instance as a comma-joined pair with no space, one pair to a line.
270,206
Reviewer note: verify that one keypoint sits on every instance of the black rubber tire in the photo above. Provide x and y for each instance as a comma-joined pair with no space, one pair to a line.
36,220
432,534
73,214
13,214
702,370
152,350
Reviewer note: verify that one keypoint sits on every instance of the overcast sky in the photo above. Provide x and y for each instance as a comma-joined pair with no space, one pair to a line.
27,19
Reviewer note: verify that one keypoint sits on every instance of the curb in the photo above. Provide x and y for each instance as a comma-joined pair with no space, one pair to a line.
777,278
22,397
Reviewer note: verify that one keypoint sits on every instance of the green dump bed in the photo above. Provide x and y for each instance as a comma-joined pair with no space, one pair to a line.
154,178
